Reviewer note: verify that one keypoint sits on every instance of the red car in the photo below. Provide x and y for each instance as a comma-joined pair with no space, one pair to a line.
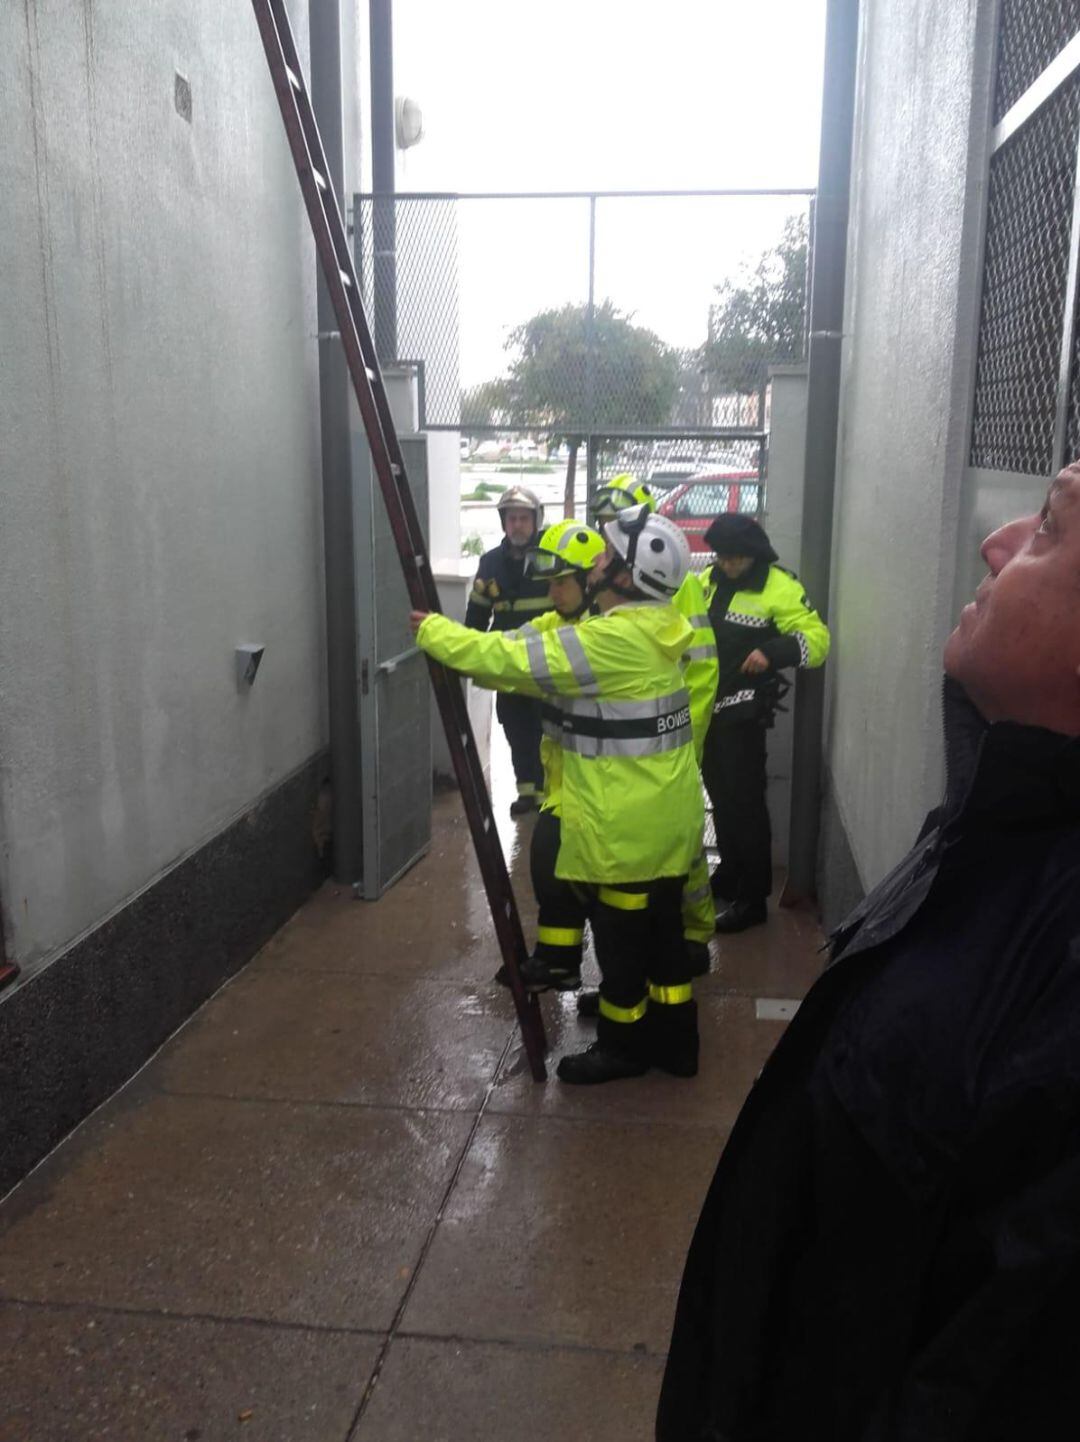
699,500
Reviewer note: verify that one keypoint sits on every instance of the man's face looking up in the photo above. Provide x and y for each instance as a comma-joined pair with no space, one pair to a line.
1016,647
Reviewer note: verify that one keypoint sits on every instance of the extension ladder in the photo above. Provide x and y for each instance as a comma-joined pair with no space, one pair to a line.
334,253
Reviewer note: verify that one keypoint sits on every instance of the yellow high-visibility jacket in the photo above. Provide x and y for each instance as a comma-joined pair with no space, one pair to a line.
699,670
699,659
630,793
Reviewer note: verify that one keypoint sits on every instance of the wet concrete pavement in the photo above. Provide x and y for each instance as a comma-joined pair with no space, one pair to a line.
336,1208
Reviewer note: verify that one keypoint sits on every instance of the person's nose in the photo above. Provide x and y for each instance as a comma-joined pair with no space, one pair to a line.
1002,545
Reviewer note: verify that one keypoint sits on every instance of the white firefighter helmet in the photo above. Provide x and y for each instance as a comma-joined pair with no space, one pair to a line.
653,548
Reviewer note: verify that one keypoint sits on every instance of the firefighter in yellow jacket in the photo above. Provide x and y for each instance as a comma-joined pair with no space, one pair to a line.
630,789
700,669
563,558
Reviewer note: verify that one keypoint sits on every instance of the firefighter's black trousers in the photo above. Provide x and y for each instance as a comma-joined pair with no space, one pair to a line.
519,717
563,907
733,769
646,1002
646,1006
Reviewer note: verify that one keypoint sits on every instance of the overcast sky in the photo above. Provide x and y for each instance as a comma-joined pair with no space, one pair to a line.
608,94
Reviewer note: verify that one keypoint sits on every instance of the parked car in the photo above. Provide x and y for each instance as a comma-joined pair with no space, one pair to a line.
698,501
524,451
492,451
672,473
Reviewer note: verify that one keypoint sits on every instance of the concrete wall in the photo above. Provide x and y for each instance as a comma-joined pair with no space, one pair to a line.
913,265
159,474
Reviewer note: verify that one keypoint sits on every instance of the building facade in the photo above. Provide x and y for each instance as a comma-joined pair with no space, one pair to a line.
960,376
160,493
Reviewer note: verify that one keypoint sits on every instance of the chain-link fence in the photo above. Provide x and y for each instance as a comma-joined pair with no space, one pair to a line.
601,315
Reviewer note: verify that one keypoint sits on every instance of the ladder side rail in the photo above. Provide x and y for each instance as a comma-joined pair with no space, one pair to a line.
308,159
344,260
331,243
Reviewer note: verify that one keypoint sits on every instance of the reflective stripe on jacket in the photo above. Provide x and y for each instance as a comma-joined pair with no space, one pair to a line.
699,659
503,594
630,793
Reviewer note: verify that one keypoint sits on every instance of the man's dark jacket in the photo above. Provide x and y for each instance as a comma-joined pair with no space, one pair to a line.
504,595
890,1248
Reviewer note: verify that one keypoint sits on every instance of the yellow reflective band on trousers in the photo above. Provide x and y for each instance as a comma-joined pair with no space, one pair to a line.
624,900
671,995
560,935
623,1013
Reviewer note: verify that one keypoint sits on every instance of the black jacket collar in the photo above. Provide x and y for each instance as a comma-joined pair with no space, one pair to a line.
1005,773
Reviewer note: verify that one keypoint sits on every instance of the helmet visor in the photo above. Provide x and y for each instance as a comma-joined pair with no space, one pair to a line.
547,564
611,499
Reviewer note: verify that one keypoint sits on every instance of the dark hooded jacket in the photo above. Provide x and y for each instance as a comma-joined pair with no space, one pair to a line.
890,1248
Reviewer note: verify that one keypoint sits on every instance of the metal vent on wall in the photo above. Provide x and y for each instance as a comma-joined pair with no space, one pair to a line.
1029,219
1030,34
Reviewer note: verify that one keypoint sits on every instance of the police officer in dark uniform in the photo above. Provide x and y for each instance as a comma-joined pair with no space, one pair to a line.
763,624
503,598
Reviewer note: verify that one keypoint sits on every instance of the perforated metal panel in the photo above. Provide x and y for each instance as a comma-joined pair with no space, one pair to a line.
395,705
1072,425
1032,180
1031,33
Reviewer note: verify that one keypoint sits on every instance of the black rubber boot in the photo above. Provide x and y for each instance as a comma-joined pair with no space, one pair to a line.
741,914
524,804
540,973
588,1005
597,1064
698,956
673,1038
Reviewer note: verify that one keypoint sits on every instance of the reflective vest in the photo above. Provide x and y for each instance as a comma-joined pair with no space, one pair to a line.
768,613
630,794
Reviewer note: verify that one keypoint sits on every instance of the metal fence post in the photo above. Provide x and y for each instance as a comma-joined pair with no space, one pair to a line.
590,360
384,203
823,409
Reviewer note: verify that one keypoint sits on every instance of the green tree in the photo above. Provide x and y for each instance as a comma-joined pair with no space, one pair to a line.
485,405
569,375
758,320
